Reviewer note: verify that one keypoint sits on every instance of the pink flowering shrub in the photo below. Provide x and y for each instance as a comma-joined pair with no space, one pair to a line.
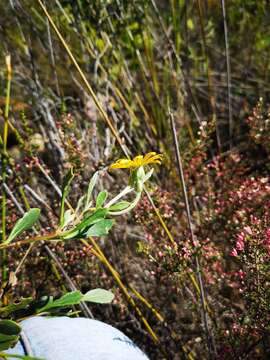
229,196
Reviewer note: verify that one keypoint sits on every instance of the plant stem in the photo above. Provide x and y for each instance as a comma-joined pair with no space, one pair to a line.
4,165
53,236
223,5
210,342
124,192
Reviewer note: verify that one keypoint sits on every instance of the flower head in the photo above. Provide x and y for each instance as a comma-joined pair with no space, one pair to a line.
240,241
233,252
140,160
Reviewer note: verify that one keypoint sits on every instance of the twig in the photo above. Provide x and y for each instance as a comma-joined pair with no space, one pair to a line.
228,70
4,166
210,342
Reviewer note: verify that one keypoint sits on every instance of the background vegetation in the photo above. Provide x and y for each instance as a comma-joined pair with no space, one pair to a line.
94,81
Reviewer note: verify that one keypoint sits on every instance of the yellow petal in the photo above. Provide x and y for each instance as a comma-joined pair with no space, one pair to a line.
149,155
137,161
138,158
121,163
155,159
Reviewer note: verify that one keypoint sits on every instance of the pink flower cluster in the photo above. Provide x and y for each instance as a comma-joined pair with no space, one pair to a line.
240,241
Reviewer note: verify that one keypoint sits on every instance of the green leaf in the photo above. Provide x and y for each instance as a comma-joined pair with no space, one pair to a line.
80,203
99,296
68,217
70,235
8,344
26,222
65,190
6,310
92,219
101,228
9,334
84,225
7,338
91,186
121,205
9,327
101,198
68,299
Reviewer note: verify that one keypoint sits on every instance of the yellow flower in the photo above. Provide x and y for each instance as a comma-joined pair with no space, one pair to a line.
140,160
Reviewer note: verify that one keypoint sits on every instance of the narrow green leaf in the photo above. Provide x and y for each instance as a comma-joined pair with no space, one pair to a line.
101,198
68,299
91,186
80,203
26,222
68,217
92,219
121,205
101,228
65,190
99,296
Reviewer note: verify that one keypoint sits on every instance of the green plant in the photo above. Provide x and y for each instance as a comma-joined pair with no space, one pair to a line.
89,219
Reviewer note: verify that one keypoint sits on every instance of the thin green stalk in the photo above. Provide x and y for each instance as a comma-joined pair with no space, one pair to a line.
175,8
